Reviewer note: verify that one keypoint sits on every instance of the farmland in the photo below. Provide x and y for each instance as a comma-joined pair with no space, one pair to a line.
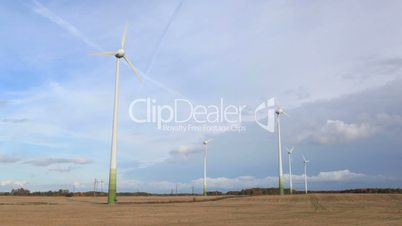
312,209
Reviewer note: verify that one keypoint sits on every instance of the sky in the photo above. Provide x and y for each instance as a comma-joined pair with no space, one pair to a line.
334,66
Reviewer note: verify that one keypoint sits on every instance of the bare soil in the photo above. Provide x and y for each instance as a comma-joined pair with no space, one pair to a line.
312,209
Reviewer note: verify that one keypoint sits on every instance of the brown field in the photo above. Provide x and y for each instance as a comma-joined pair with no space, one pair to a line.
312,209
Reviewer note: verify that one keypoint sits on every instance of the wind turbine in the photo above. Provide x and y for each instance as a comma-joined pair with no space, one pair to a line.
290,152
120,53
305,173
279,111
205,143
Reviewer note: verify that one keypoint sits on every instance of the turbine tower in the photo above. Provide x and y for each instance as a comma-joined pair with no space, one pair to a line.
205,143
120,53
290,152
305,173
279,111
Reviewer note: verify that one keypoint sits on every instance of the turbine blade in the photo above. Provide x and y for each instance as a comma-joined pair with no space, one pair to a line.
102,53
133,68
304,158
284,112
202,138
209,140
124,37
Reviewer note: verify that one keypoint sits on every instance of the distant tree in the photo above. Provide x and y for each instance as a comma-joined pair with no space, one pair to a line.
214,193
20,192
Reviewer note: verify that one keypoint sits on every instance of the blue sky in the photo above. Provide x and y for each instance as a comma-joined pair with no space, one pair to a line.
334,66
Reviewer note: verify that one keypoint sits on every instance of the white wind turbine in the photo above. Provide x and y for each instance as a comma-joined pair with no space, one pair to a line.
305,173
205,143
290,152
279,111
120,53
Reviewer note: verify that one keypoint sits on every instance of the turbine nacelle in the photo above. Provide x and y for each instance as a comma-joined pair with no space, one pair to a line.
205,142
305,160
280,111
120,53
290,151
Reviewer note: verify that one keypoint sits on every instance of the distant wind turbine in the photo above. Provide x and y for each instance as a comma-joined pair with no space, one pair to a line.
205,143
305,173
120,53
290,152
279,111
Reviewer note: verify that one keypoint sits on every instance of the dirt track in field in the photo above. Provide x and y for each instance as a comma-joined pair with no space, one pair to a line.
312,209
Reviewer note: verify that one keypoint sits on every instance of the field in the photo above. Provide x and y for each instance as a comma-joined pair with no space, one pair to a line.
312,209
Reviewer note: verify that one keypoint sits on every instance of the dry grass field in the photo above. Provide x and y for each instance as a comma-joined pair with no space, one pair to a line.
313,209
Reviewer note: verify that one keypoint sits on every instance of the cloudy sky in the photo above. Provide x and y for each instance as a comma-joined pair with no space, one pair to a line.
335,66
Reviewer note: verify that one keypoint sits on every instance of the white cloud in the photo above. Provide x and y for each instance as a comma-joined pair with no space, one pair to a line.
34,133
237,182
45,12
345,175
185,150
77,184
337,131
151,186
338,176
48,118
12,183
14,120
387,121
242,182
52,161
62,169
8,159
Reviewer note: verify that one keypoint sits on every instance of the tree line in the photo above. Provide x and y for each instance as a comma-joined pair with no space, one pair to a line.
249,191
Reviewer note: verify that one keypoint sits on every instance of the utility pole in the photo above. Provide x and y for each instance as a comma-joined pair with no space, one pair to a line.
95,185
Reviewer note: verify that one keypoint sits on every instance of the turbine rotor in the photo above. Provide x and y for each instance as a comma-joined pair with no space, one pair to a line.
120,53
